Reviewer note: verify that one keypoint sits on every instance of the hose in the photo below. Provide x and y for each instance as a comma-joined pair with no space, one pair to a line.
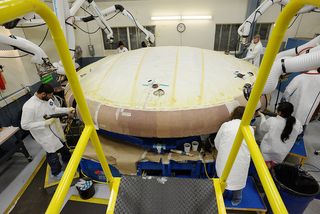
294,51
283,65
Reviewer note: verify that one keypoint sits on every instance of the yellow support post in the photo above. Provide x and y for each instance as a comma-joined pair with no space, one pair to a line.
102,158
219,196
10,9
274,43
270,188
65,182
113,196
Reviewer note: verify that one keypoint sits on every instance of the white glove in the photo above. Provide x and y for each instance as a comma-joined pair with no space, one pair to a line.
49,121
72,110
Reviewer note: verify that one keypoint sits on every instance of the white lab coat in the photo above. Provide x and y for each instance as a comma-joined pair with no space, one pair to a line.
32,119
124,49
304,94
223,143
272,147
253,54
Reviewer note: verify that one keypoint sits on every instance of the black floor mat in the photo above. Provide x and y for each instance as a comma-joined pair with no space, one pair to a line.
144,195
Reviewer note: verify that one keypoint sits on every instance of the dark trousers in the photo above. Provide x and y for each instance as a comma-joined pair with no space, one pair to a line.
234,194
54,162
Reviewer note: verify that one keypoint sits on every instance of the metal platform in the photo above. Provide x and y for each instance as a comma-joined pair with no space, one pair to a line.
299,150
145,195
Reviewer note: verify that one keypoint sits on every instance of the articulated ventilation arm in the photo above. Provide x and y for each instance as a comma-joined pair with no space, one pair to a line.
39,58
149,36
310,46
309,60
99,16
30,18
246,27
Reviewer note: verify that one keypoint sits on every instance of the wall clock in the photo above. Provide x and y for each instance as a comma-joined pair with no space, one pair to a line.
181,27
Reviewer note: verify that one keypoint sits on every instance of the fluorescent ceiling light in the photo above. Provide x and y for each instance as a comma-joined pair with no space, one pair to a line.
196,17
159,18
168,18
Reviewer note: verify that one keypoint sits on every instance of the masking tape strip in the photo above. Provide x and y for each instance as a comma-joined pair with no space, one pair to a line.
121,112
143,156
166,160
125,114
117,113
95,117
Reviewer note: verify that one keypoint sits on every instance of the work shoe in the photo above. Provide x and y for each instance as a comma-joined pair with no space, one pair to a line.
58,176
235,202
236,197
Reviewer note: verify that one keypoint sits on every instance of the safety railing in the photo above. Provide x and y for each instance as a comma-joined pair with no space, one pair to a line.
11,9
244,132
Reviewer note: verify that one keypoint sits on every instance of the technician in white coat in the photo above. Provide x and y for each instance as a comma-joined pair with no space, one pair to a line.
304,93
121,48
281,134
223,142
254,51
48,133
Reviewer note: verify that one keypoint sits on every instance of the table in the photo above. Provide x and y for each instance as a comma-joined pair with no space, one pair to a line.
5,134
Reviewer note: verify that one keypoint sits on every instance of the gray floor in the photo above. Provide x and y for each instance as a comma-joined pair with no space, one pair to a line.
312,143
9,171
11,168
36,199
17,171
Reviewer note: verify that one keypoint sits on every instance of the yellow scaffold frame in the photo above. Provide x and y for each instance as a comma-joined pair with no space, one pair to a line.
11,9
244,132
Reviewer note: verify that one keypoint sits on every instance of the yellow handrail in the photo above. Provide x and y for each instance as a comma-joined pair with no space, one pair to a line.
9,10
72,166
219,196
274,43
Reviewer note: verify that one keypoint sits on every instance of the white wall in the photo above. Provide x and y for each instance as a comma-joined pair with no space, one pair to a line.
18,72
198,33
306,25
309,26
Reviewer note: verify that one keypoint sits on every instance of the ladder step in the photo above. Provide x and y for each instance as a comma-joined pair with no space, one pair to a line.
145,195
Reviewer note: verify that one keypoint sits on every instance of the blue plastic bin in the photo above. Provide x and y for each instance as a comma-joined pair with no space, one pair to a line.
297,188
